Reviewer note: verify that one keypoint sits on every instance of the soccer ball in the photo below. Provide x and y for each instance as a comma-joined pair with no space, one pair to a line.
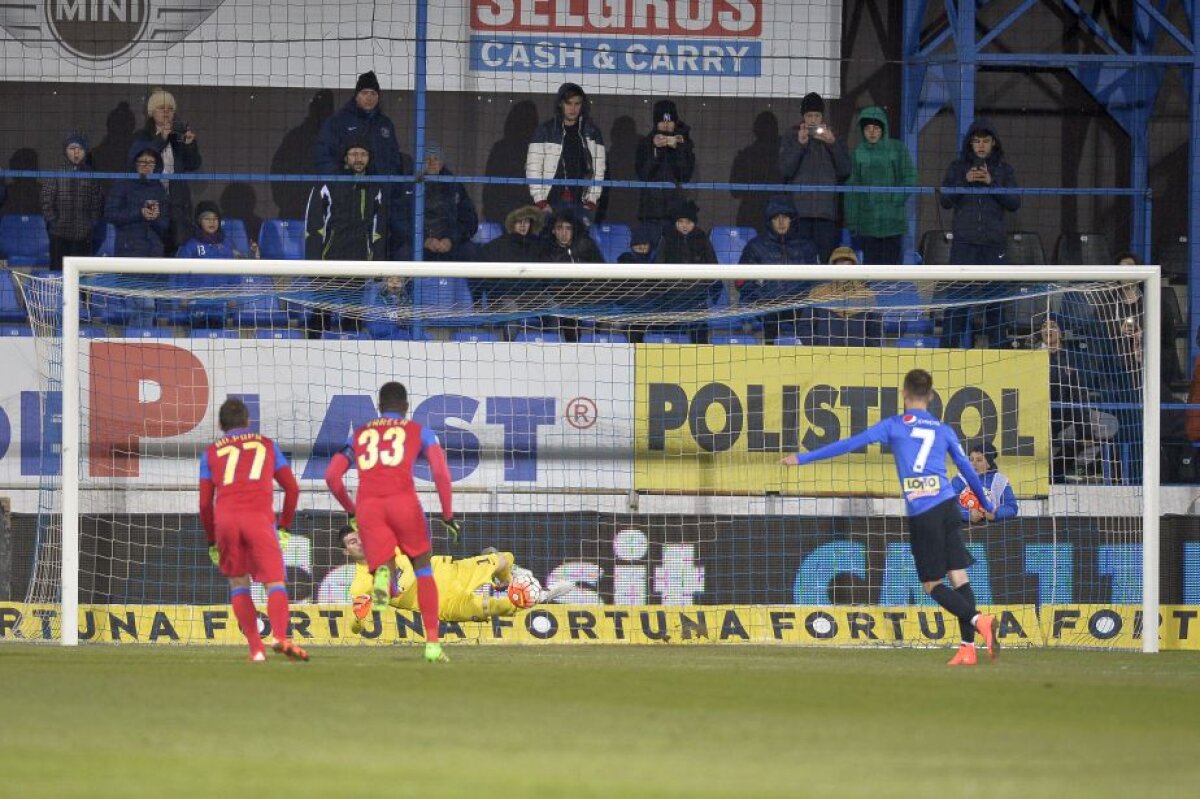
968,499
524,591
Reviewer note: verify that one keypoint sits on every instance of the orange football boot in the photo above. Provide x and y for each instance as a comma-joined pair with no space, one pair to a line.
986,625
965,656
293,651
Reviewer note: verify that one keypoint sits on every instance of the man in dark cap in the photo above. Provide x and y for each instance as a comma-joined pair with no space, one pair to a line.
362,119
666,154
813,156
347,221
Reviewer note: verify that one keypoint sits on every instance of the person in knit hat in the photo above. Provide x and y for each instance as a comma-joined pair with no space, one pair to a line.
667,155
685,242
362,119
179,150
450,218
812,155
72,204
999,489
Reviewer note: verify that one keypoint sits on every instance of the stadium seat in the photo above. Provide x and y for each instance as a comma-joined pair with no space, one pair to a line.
539,336
108,247
147,332
788,341
11,309
612,239
214,333
918,342
1174,256
487,232
343,335
729,241
16,330
731,338
903,312
279,334
448,296
475,335
603,338
93,331
282,239
260,308
935,247
1083,248
666,337
235,234
1024,248
24,240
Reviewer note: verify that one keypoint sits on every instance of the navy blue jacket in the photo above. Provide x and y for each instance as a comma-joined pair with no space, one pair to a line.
137,237
979,218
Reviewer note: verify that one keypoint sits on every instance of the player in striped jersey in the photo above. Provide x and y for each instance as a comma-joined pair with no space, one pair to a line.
237,511
919,444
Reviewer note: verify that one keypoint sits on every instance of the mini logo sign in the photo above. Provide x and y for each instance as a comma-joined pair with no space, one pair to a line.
100,33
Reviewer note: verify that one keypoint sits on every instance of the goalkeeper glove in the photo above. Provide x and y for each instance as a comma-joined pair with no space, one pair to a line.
452,528
214,554
353,522
283,534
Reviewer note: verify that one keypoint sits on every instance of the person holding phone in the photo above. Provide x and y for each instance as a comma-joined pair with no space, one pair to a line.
179,152
813,155
140,210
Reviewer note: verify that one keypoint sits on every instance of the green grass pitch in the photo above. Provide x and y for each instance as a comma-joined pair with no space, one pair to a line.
512,722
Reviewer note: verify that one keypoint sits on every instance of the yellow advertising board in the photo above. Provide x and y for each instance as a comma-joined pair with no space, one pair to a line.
1018,626
718,419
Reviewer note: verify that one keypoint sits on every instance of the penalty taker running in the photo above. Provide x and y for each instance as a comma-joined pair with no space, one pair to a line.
237,511
919,443
389,513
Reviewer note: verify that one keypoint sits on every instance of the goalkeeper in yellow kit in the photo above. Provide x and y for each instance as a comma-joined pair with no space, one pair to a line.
465,587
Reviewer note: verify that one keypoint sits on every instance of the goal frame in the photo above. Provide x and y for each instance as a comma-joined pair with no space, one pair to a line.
76,267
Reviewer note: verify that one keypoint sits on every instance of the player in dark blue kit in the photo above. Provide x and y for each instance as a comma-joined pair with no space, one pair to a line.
919,443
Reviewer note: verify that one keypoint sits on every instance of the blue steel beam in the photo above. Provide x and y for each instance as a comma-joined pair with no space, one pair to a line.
1194,189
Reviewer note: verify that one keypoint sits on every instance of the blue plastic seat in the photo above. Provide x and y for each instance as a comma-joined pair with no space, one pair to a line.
666,337
343,335
612,239
728,241
235,234
449,297
908,317
487,232
788,341
259,305
11,309
732,338
539,336
918,342
108,248
282,239
16,330
147,332
93,331
603,338
475,335
214,333
286,333
24,240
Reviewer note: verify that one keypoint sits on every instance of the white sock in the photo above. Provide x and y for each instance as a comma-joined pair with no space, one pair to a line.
975,618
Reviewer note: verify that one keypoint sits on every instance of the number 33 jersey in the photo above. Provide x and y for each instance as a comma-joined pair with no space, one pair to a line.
384,451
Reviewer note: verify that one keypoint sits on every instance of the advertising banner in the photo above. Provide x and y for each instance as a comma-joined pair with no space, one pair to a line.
720,425
723,47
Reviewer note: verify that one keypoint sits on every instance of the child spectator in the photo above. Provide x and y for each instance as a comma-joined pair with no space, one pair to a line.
569,241
210,241
780,242
72,204
641,245
666,154
838,318
813,156
384,295
685,242
140,210
879,221
999,490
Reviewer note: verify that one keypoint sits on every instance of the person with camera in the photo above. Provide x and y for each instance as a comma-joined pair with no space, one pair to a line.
814,156
178,152
980,224
140,209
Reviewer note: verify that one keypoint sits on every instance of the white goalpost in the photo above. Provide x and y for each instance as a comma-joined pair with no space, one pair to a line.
638,467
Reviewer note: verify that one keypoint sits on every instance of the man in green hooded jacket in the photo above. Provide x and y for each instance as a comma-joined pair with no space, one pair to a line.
878,220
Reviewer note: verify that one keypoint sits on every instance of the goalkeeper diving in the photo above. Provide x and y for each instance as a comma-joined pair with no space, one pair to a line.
467,587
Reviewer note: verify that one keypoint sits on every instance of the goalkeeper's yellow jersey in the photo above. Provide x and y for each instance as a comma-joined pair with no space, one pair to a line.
464,586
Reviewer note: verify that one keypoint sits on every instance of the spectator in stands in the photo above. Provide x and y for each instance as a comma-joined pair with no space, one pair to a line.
980,222
983,460
362,119
641,245
521,241
450,219
140,209
176,144
569,241
384,295
72,204
347,221
780,241
685,242
568,146
879,221
1077,430
838,315
813,156
666,154
210,241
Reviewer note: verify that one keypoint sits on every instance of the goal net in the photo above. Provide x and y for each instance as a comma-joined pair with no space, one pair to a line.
620,432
